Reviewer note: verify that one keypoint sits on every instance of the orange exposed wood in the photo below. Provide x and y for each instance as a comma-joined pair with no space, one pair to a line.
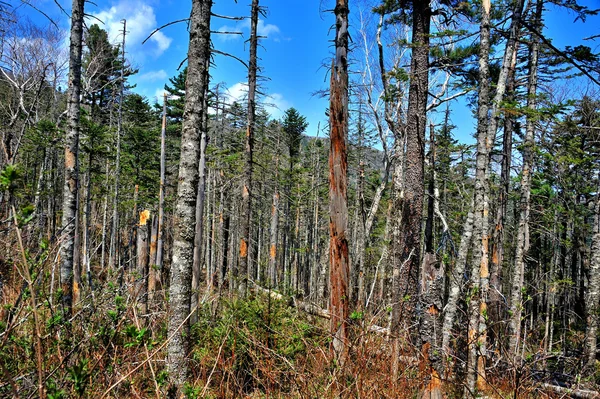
243,248
144,216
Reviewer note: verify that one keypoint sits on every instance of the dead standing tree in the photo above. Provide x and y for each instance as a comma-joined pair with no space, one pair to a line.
71,153
185,207
246,213
339,271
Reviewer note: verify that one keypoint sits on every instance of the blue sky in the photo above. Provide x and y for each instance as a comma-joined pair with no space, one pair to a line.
297,45
291,54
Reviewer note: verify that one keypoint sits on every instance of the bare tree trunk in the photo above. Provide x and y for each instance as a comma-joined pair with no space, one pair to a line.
482,161
593,294
272,273
550,291
296,244
104,222
456,283
71,153
339,269
161,195
497,260
222,258
247,184
156,246
199,229
487,123
142,261
113,255
185,207
516,304
211,238
87,222
77,246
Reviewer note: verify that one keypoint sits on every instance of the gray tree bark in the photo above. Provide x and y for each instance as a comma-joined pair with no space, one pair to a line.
487,124
522,244
199,227
247,184
593,294
185,207
69,207
113,255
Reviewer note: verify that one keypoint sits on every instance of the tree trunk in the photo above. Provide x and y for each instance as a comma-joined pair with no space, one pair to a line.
431,287
87,222
113,255
247,184
456,283
272,273
199,229
497,260
161,196
516,304
142,261
593,294
104,221
187,190
487,123
339,268
69,208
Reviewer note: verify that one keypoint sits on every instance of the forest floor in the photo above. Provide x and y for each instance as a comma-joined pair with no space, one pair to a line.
260,347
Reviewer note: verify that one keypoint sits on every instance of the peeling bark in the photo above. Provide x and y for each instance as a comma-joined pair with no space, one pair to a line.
339,269
71,152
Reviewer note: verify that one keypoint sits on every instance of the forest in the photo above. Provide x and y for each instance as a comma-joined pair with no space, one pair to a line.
197,245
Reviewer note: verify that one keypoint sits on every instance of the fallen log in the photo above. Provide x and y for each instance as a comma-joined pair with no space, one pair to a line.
572,392
311,308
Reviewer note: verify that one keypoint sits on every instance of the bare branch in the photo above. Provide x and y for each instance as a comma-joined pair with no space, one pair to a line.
559,52
41,12
227,17
164,26
229,55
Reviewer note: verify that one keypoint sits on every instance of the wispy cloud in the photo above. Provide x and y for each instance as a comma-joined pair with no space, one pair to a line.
159,95
141,21
270,31
153,76
274,103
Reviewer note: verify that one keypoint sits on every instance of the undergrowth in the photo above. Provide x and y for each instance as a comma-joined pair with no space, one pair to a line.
259,347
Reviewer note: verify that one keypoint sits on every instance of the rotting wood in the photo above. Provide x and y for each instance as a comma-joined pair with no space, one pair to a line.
571,392
339,270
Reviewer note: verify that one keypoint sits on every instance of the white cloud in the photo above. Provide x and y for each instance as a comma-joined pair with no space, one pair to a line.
162,41
270,31
141,21
159,95
237,92
273,103
153,76
276,105
266,30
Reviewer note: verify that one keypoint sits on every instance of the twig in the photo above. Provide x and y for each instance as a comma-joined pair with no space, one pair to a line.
203,395
137,323
113,386
36,320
